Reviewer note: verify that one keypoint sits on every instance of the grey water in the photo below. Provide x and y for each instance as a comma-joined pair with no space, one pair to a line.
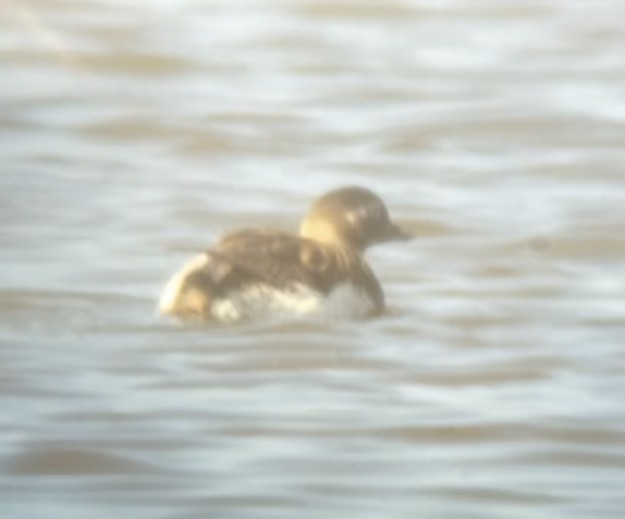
133,134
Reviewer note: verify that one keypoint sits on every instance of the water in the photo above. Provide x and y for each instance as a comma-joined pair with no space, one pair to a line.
133,135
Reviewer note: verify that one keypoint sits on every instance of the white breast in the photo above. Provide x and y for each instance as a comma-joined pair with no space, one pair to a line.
348,301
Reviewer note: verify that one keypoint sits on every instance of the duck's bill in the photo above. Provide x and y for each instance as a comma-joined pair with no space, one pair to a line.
396,233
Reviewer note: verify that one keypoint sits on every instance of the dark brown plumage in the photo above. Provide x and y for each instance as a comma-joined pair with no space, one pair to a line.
280,259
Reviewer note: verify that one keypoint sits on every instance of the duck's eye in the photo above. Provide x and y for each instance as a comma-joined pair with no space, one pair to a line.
356,216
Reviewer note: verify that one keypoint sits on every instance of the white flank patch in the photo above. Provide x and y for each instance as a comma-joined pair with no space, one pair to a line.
262,301
171,293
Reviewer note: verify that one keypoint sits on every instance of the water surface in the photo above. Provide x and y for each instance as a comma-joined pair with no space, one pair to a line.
133,135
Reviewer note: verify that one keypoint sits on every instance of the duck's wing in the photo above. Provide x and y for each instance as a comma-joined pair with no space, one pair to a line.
281,259
276,258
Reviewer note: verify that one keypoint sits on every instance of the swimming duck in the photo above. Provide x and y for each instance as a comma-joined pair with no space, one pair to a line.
257,274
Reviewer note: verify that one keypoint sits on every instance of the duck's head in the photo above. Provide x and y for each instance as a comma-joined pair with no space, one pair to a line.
350,217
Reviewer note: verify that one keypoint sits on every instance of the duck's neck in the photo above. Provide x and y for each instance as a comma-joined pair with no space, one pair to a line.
324,233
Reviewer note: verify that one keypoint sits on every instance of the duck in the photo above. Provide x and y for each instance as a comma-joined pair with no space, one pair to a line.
256,274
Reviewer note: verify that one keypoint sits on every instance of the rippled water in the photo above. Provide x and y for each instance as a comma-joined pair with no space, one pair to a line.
135,133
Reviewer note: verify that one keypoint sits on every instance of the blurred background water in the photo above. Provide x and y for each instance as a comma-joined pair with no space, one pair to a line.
133,134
